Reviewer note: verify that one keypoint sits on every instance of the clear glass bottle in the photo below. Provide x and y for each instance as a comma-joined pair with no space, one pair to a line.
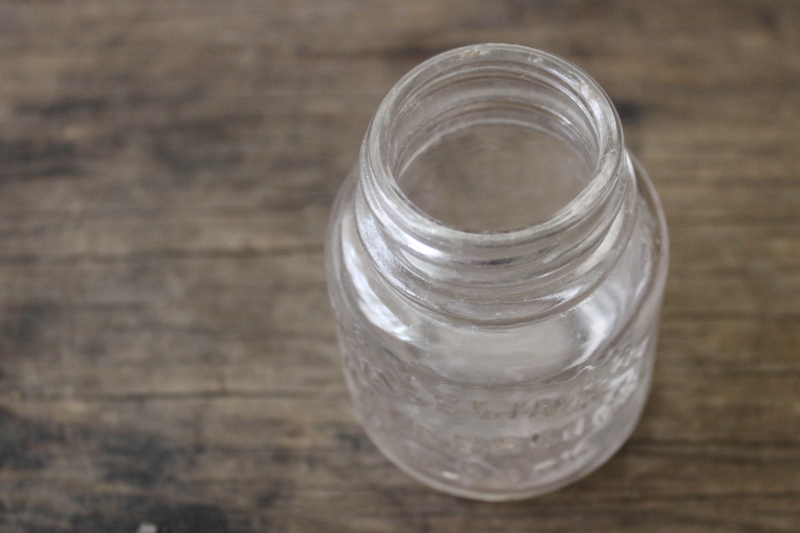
496,263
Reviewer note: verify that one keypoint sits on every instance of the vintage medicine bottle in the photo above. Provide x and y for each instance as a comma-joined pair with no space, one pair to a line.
496,264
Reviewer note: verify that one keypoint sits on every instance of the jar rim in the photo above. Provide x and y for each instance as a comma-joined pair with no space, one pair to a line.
382,182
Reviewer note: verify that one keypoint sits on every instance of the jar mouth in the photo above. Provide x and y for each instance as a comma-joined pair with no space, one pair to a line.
398,119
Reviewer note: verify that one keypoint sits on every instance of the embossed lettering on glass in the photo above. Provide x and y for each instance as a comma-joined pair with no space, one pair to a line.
496,263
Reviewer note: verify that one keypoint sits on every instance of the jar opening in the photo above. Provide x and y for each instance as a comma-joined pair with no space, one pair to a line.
493,184
494,175
493,140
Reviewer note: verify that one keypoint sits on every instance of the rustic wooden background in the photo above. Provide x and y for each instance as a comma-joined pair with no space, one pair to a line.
168,360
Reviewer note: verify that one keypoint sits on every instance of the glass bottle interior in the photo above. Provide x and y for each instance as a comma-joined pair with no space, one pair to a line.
489,150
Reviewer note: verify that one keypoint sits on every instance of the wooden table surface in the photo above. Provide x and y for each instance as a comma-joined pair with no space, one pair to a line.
167,353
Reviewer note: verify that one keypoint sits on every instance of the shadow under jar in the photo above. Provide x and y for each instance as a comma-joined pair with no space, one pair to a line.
496,262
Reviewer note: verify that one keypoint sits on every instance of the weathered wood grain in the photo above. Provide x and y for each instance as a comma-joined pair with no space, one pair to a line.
167,354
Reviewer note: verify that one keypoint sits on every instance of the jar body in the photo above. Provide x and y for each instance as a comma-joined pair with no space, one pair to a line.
516,404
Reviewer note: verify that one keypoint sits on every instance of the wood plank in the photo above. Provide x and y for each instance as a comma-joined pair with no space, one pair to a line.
167,354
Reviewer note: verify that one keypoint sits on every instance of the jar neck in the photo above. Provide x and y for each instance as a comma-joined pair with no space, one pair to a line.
495,276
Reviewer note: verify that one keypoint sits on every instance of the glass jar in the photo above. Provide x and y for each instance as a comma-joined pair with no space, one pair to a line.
496,263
